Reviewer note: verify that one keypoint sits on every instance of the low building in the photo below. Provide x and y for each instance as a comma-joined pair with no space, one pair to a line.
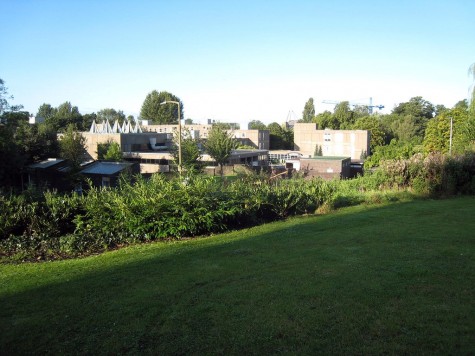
324,167
259,139
282,156
106,174
309,141
49,174
150,145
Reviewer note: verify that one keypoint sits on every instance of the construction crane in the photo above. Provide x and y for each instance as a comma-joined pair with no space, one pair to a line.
352,103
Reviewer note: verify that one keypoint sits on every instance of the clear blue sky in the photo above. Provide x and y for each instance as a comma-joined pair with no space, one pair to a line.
235,61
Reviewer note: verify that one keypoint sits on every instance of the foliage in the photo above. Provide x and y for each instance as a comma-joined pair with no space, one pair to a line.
46,111
416,107
72,148
343,115
111,115
374,126
113,152
407,271
220,144
50,224
190,151
256,125
36,142
280,138
161,114
61,117
5,98
395,150
308,113
326,120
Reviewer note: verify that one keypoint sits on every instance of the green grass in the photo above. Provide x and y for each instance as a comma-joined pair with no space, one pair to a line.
392,279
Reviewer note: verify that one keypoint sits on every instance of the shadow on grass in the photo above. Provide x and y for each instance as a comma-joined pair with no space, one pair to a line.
396,278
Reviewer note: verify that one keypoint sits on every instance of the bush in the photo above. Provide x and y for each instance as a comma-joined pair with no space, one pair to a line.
54,225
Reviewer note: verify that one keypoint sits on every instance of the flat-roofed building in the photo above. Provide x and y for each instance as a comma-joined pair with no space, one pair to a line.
259,139
352,143
323,167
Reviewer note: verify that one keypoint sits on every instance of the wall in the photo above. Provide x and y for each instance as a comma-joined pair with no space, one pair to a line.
351,143
326,168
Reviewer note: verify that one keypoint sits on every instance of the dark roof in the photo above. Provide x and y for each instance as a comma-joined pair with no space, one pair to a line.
51,162
107,168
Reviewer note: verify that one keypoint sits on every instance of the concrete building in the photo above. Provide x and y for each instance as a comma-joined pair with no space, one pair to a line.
150,145
324,167
351,143
259,139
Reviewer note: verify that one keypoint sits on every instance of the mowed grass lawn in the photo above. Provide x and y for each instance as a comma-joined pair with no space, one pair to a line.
394,278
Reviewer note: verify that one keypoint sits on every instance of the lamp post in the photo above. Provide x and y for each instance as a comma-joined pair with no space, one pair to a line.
179,131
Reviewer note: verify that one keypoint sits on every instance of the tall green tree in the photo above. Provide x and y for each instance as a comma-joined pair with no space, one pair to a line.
417,107
161,114
5,98
64,115
343,115
374,126
36,142
190,151
111,115
46,111
280,138
326,120
308,112
11,158
220,144
256,125
73,148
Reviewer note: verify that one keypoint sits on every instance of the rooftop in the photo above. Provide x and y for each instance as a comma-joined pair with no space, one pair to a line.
107,168
50,162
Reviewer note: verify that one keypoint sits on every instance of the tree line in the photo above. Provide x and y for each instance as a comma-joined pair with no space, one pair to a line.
414,126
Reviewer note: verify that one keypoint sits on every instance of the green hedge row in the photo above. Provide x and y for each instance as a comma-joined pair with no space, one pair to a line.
53,225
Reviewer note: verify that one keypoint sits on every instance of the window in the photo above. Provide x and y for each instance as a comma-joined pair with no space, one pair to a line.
327,137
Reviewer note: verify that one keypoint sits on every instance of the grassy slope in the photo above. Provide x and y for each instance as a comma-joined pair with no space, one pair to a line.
387,279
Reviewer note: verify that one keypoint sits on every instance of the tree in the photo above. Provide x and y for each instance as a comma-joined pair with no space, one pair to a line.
256,125
111,115
279,137
36,142
161,114
72,148
220,144
109,151
11,159
46,111
87,120
343,115
326,120
308,111
64,115
416,107
437,134
373,125
190,151
4,99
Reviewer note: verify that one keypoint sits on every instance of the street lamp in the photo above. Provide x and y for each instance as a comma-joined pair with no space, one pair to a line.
179,131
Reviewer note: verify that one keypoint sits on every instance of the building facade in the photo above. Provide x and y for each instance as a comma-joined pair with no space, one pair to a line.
311,142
